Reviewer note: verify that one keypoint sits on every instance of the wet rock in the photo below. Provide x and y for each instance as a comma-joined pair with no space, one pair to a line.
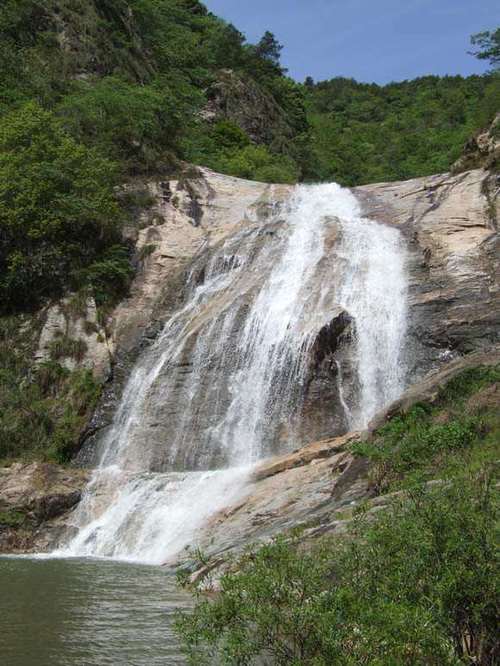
34,501
428,389
325,448
451,225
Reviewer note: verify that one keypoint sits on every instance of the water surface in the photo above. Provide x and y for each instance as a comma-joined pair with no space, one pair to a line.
79,612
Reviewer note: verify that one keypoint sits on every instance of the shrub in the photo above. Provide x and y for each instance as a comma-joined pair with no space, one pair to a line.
57,207
135,125
109,275
412,447
415,585
256,162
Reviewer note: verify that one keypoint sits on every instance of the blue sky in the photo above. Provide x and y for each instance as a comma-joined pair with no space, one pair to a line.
369,40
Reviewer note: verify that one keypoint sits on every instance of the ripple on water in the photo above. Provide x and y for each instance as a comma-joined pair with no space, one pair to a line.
84,612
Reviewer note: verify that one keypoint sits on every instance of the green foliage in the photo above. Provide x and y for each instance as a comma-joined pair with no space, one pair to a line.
43,408
57,206
134,125
226,148
129,77
93,92
257,163
416,584
12,518
439,438
109,275
489,46
368,133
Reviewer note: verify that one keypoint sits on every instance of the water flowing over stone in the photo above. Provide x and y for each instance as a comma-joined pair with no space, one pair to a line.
374,292
232,378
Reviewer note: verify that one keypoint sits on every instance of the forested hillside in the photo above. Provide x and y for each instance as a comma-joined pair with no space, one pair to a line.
363,133
95,93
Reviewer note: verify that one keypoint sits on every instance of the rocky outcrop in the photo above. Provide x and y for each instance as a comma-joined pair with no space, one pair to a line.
482,150
318,487
451,223
34,502
73,335
246,104
429,388
186,217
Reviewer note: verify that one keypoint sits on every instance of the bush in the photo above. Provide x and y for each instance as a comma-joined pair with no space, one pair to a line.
435,438
134,125
44,408
415,585
109,275
257,163
57,207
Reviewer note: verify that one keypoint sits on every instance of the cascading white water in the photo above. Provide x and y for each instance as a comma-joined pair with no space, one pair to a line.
236,357
374,292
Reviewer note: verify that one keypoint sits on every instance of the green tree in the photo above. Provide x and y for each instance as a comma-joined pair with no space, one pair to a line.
415,585
135,125
268,48
488,44
57,206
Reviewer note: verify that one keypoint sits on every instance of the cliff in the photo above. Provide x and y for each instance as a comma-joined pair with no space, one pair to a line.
450,226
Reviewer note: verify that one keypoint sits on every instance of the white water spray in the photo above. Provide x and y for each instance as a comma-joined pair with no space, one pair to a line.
374,292
236,357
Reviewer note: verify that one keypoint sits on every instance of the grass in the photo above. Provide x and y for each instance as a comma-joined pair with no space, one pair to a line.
12,518
461,429
67,347
43,407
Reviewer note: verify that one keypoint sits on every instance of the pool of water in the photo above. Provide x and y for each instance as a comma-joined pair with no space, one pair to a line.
82,612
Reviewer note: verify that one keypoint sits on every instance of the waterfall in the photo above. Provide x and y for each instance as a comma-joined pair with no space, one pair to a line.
374,292
223,384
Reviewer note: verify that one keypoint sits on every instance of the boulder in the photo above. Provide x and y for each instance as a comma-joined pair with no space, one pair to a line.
34,498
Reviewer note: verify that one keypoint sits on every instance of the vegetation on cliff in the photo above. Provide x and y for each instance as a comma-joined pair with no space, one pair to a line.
93,94
58,213
44,407
415,582
365,133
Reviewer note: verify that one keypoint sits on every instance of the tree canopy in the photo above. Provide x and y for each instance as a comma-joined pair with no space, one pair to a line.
488,44
57,206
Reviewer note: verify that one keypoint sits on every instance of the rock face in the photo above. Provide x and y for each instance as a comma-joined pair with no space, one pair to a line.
450,226
34,500
482,150
451,223
243,102
317,487
72,334
187,217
